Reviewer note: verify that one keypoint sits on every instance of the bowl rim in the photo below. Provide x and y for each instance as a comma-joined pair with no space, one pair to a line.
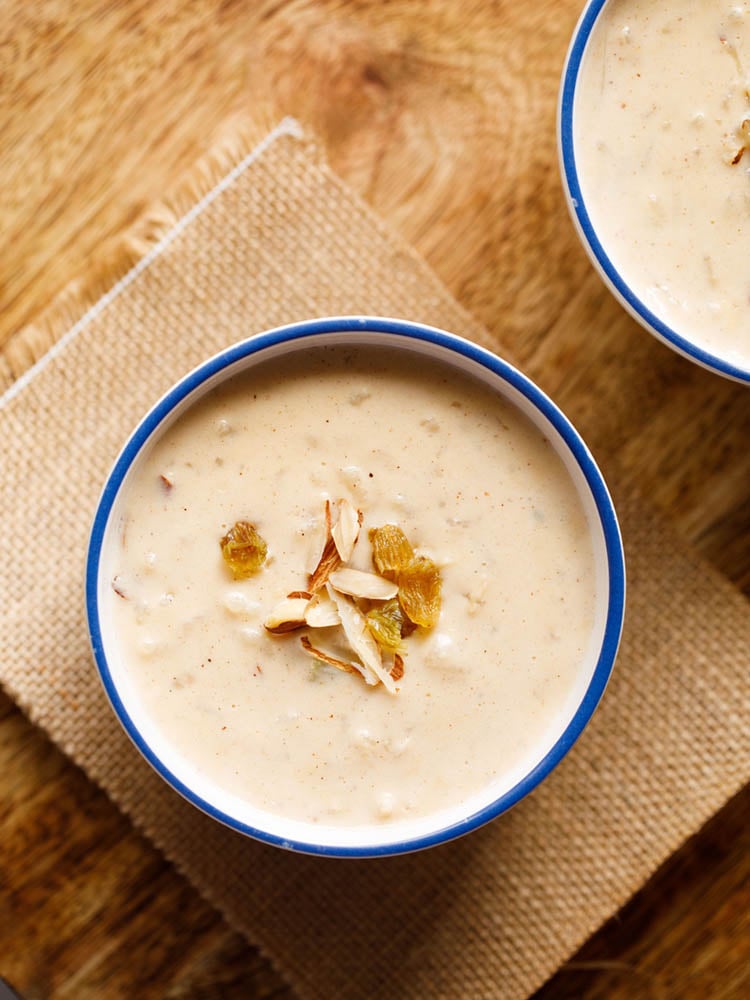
587,231
398,329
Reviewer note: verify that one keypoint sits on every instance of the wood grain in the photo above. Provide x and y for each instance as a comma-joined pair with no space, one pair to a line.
441,115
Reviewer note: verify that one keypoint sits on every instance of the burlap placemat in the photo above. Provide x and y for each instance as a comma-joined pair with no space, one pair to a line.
492,915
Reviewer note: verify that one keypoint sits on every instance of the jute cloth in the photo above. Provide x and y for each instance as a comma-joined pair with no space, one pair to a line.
494,914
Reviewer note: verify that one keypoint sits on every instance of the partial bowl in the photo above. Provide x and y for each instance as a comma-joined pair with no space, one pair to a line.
459,363
651,141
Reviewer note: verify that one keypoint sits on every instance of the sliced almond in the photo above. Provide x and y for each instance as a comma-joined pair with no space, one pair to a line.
287,616
314,533
397,670
329,561
359,584
329,517
321,612
299,593
345,531
329,557
332,661
360,638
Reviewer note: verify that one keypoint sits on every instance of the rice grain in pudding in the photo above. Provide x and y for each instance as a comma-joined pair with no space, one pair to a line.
662,144
408,441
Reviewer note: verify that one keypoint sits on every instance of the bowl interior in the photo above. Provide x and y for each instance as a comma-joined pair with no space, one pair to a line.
595,667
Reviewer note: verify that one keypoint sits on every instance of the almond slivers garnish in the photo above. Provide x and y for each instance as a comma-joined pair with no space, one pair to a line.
374,611
356,583
329,561
321,612
345,531
287,616
329,557
360,638
397,671
332,661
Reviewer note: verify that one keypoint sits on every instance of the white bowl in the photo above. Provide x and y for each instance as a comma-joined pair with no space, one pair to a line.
601,250
398,836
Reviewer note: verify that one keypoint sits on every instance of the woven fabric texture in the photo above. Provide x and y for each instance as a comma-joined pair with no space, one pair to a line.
494,914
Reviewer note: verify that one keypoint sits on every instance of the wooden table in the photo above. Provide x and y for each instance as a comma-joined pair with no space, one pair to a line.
441,115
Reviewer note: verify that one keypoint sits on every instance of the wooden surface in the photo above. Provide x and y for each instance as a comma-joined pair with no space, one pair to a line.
441,114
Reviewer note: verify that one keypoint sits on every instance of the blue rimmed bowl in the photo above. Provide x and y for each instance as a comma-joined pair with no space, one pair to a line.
603,250
609,587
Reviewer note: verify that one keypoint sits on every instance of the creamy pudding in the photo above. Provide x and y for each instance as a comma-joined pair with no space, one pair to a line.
661,134
485,689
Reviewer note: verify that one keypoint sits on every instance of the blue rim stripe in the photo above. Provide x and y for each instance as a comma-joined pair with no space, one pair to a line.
510,375
576,203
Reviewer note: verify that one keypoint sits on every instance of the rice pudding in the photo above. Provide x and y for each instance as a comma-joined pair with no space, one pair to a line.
661,133
407,441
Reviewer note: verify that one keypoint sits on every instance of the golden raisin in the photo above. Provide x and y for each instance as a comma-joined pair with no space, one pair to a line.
243,549
419,591
391,550
386,622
